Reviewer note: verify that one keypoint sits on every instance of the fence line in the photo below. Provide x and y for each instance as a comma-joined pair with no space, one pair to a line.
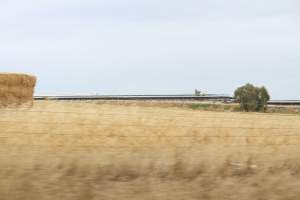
142,125
248,155
125,117
145,112
74,133
152,147
150,125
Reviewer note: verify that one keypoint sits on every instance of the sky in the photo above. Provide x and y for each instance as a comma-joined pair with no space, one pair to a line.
153,46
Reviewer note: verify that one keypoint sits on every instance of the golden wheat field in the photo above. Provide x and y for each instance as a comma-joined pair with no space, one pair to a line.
111,151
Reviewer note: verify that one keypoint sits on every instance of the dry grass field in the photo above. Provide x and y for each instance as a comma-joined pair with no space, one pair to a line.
106,151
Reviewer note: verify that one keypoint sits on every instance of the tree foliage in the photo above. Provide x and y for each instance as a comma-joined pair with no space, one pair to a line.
252,98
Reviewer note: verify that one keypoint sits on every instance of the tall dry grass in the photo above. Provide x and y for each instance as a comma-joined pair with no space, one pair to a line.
107,151
16,89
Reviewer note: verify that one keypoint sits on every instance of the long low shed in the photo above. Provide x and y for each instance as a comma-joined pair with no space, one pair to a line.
284,102
222,98
137,97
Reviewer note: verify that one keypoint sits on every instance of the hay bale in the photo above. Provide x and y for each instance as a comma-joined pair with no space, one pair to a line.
16,89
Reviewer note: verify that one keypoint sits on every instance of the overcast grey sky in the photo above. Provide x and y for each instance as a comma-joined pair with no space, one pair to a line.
153,46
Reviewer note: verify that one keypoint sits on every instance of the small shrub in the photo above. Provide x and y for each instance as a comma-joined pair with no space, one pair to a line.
252,98
200,106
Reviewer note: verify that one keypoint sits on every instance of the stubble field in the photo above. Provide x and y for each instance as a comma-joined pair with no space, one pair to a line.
80,150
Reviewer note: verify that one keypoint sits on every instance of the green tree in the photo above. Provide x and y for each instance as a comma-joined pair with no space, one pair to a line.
252,98
263,98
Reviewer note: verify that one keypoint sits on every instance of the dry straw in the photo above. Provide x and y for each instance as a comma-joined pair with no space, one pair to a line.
16,89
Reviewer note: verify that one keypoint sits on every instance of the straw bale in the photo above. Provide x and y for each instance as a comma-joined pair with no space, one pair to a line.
16,89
